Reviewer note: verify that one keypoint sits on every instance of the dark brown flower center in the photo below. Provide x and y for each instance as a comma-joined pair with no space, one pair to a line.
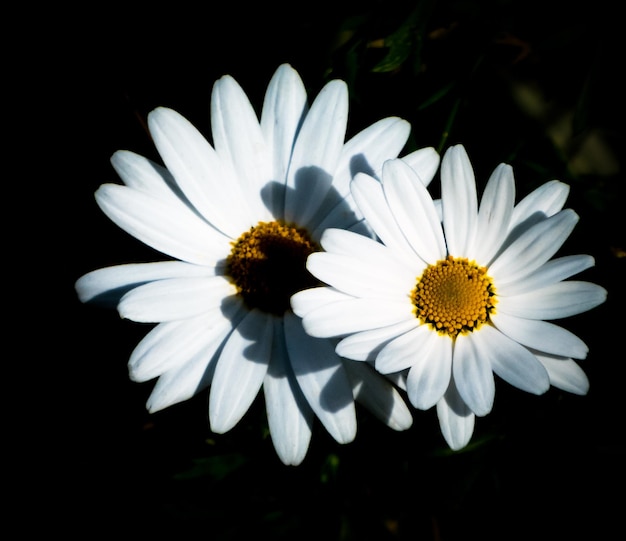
268,265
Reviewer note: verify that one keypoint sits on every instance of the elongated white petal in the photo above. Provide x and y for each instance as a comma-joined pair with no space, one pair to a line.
171,229
354,315
541,335
182,382
472,372
174,298
405,350
284,107
511,361
309,299
456,420
372,279
207,182
378,395
239,142
414,211
365,345
425,162
289,416
550,273
110,283
565,374
316,153
543,202
494,214
322,379
240,370
430,373
556,301
370,198
367,151
348,243
142,174
172,344
186,375
459,201
533,248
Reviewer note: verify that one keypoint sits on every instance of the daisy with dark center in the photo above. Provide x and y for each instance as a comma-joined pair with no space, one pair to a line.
450,295
239,217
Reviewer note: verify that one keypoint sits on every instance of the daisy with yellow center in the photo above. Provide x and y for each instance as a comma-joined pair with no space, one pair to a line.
239,218
452,294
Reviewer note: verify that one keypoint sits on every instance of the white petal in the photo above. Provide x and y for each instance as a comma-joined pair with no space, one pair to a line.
368,149
369,196
472,372
425,162
373,279
174,298
556,301
494,213
430,373
316,153
541,335
182,382
290,418
365,345
240,370
541,203
323,380
550,273
206,181
145,175
406,349
239,141
110,283
171,344
459,201
309,299
533,248
354,315
565,374
414,210
455,419
284,107
171,229
378,395
512,361
188,378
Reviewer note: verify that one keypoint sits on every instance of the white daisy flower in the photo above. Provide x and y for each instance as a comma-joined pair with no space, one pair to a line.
454,294
239,218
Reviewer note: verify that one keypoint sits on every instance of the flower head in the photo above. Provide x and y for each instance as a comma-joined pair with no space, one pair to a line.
453,294
239,217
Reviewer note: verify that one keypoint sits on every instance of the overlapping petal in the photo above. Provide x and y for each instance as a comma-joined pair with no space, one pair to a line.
322,379
174,298
208,183
316,153
168,228
379,396
110,283
413,210
240,144
244,359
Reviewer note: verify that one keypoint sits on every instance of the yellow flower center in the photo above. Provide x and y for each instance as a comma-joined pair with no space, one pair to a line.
267,264
454,296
